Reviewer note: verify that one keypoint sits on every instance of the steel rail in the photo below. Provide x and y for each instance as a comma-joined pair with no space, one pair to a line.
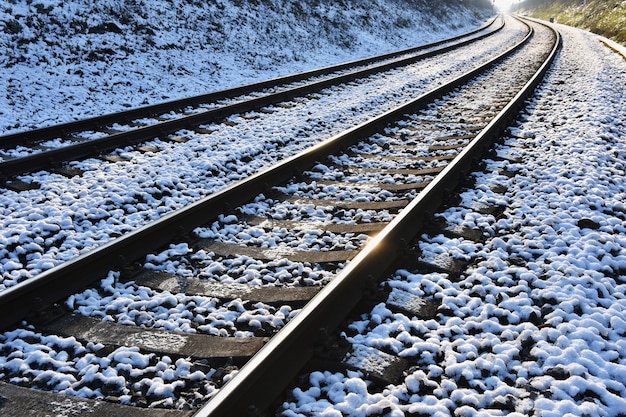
92,147
264,377
57,283
94,123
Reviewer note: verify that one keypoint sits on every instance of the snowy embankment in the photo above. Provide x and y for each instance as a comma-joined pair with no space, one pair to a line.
67,60
537,326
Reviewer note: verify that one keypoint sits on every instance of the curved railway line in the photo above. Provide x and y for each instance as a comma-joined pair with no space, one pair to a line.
139,186
260,274
50,147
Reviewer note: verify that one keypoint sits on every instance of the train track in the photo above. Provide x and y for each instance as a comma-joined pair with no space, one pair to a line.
51,147
282,256
65,203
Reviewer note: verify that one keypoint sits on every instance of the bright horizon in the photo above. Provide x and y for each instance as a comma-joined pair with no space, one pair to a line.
504,5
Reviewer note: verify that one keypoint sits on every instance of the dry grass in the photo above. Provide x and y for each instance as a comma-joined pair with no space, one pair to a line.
606,18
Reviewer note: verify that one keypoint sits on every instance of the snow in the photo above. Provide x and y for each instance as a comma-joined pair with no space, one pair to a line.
128,304
67,60
536,326
73,368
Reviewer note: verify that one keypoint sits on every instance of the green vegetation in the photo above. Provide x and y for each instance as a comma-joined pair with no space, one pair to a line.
604,17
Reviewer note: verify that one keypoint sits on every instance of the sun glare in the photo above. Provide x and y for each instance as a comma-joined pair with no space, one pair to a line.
505,5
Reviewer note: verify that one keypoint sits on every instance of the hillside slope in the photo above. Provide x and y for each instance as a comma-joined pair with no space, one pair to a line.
606,18
63,60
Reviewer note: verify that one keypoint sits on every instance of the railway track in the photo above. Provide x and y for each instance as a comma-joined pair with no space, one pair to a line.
116,197
215,308
52,147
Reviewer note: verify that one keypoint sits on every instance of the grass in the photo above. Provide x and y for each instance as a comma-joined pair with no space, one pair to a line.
606,18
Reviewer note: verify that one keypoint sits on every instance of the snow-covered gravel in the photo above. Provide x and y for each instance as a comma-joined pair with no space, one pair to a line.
537,324
91,370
